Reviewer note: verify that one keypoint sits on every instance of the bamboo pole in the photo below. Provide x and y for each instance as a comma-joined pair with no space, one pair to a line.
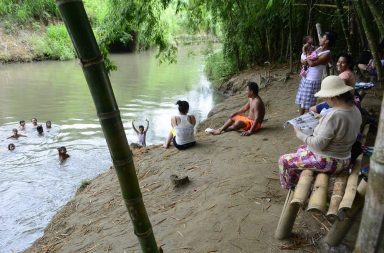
367,28
79,29
341,227
287,217
337,194
302,188
371,232
318,199
351,188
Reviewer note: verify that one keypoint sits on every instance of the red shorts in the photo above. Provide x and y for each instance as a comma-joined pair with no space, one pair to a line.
247,121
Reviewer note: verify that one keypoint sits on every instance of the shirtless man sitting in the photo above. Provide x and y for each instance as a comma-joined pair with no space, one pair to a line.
251,123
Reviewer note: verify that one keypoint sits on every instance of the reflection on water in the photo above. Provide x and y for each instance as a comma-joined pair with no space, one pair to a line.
33,184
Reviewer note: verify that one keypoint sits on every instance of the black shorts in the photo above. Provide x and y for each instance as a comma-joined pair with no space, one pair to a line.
184,146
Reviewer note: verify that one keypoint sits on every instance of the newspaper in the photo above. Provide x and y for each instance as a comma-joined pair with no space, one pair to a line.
306,122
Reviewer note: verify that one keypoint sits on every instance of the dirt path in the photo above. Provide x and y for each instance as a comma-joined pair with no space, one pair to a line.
231,205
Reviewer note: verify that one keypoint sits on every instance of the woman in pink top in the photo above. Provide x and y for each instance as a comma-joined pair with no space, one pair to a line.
344,67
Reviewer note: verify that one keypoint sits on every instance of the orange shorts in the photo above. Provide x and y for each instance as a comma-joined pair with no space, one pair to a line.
247,121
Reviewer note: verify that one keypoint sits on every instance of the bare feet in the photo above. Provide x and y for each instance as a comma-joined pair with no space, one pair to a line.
216,132
165,145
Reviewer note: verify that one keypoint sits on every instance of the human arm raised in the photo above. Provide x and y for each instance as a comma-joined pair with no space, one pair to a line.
146,129
133,126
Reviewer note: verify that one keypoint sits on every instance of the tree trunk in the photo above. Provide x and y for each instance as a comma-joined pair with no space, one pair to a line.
371,231
367,27
343,23
83,39
309,23
377,16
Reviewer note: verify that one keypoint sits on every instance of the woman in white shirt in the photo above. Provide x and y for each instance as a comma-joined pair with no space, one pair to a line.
328,149
310,84
182,132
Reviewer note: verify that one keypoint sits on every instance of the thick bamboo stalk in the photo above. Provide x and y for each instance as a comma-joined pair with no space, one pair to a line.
302,188
287,217
371,232
337,194
367,25
351,188
318,199
79,29
340,227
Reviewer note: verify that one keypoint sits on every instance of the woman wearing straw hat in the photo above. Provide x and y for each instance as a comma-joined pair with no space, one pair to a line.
328,149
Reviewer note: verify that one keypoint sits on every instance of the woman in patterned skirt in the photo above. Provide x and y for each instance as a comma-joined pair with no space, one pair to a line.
328,149
310,84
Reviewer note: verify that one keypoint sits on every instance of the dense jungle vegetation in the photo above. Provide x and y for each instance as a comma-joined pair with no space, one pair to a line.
250,32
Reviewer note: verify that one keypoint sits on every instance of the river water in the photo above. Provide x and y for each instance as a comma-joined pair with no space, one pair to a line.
33,183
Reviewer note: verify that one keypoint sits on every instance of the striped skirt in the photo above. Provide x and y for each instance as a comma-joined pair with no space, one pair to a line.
305,95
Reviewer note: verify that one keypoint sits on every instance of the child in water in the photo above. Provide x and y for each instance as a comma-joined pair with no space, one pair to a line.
48,124
15,134
40,129
11,147
141,133
22,125
62,153
34,122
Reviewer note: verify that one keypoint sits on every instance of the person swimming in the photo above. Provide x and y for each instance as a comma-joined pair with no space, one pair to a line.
48,124
34,122
22,125
62,153
11,147
40,129
15,134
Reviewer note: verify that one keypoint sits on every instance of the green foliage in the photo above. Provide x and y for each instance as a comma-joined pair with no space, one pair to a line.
28,10
217,68
55,44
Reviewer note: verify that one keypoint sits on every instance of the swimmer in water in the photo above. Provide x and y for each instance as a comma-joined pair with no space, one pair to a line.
11,147
40,129
34,122
15,134
22,125
48,124
62,153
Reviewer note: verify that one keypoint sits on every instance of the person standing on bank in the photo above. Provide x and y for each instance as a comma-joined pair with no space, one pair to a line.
182,132
310,84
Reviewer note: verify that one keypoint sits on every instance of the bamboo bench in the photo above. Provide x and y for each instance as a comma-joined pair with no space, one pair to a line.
342,203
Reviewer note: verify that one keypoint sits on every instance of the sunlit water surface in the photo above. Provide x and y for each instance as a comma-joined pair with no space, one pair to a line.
33,184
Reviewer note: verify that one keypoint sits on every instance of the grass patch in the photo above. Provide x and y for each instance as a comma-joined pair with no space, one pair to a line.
55,44
83,185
